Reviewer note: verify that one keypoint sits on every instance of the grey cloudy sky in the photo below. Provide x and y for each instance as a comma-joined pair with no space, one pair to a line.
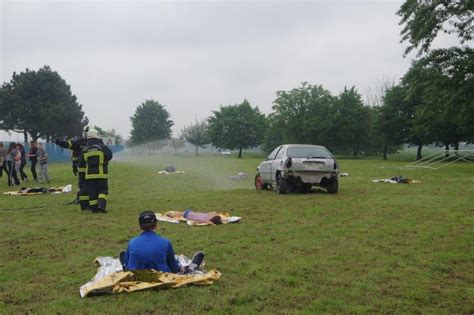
194,56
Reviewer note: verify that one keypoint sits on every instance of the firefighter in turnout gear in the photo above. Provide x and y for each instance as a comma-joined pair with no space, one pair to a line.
78,168
96,156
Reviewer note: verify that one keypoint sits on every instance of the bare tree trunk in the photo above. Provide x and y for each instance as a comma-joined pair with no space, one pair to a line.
35,136
418,152
446,147
25,134
385,151
456,148
240,152
197,153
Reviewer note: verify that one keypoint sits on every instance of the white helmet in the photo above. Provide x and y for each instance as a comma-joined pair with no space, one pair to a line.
92,134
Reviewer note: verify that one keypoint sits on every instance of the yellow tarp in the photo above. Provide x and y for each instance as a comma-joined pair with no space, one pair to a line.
128,281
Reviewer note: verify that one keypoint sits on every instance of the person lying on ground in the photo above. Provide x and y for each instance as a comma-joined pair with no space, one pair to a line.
200,217
170,168
152,251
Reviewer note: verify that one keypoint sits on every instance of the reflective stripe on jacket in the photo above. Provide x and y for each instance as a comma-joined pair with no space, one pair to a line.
96,158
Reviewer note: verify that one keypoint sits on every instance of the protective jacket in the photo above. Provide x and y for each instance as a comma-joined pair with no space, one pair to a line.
96,156
150,251
76,145
78,168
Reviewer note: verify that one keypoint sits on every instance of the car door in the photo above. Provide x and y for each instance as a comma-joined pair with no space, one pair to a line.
266,166
277,163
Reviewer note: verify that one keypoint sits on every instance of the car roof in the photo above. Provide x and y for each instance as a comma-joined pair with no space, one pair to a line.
304,145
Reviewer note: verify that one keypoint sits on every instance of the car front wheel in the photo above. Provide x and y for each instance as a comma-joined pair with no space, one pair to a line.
259,184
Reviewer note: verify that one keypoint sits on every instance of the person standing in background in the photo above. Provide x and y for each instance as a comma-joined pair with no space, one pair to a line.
33,159
43,162
12,156
22,152
3,159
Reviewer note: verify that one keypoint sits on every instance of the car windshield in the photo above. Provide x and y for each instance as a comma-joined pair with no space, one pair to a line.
308,152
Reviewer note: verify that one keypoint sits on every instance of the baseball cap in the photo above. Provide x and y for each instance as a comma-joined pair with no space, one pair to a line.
147,217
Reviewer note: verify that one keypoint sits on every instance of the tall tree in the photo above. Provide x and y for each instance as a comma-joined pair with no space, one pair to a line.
393,121
197,134
274,134
349,122
41,104
302,113
422,20
443,83
237,127
151,124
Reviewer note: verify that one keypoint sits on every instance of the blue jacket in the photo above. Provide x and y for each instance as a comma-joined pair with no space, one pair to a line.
150,251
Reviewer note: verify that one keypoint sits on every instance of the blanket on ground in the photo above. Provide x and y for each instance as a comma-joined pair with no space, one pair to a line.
239,176
171,173
31,191
396,180
110,278
177,217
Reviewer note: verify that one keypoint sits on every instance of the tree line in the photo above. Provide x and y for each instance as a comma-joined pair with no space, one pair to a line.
433,102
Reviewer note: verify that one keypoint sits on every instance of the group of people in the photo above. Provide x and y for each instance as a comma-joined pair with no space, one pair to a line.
90,158
13,160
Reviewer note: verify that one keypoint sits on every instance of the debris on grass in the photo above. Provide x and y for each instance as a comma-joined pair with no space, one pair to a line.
396,180
239,176
32,191
171,173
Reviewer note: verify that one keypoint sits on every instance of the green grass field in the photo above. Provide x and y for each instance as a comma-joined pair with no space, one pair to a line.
377,248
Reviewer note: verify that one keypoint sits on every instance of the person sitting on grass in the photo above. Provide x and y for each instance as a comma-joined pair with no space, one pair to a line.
152,251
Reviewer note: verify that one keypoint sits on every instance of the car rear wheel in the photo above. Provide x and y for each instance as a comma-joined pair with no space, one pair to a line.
333,186
307,188
259,184
282,185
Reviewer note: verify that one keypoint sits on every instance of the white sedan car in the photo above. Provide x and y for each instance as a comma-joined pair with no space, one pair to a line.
298,167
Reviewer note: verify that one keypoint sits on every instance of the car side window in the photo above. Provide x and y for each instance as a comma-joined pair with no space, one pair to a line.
272,155
280,154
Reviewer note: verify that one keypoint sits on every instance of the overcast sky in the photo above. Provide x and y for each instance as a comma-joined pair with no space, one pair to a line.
194,56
